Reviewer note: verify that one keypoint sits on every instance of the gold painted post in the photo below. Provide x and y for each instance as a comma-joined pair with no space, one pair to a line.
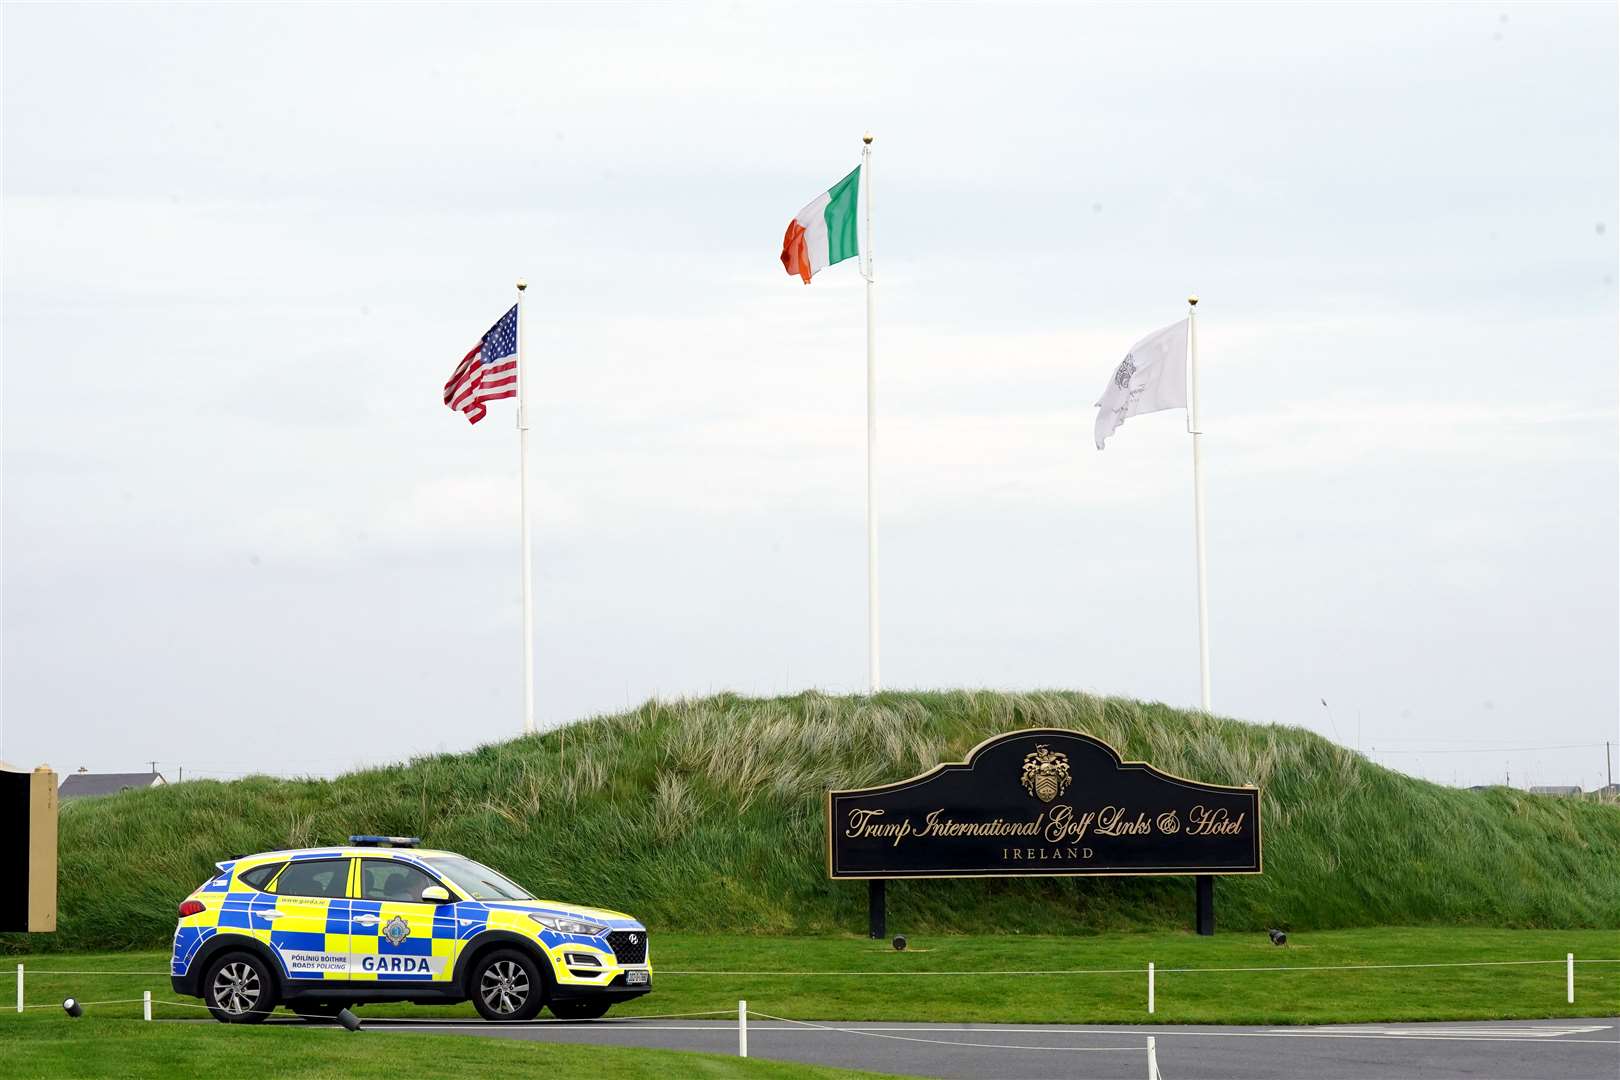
42,813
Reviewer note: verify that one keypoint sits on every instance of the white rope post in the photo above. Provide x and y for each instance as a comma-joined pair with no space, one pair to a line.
1569,978
19,988
742,1029
1150,986
1153,1060
146,1004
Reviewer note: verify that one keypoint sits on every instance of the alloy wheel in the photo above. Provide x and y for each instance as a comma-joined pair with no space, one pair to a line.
504,987
237,988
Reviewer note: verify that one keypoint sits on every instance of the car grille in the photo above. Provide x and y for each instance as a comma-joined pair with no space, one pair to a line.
630,946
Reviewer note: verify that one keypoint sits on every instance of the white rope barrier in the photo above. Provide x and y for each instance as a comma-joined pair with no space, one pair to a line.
742,1006
117,1001
205,1008
796,974
873,1034
62,971
989,971
458,1021
1138,970
1369,967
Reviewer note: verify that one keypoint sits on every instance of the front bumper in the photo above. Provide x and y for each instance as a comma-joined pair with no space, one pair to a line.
592,967
616,990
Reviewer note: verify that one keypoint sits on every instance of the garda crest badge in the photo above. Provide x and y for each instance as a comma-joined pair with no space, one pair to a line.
1046,774
397,930
1127,368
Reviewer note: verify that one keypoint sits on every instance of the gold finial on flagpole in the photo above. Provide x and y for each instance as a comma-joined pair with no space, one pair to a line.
1193,300
521,284
867,138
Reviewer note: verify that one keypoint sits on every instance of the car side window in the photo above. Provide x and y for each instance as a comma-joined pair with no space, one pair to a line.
259,876
314,877
387,879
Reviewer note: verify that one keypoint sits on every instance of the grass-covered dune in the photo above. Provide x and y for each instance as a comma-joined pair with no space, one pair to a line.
707,815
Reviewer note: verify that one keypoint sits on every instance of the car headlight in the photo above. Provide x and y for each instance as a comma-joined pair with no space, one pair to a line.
564,925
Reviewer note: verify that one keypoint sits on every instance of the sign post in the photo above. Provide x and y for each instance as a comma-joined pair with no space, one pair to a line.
28,812
877,909
1043,802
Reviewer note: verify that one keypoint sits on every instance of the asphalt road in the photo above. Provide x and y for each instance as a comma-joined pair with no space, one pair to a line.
1500,1050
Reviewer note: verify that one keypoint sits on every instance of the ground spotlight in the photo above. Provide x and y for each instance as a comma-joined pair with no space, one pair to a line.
900,942
1277,937
348,1019
72,1007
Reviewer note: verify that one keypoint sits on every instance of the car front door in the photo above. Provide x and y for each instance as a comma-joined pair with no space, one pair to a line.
306,913
392,929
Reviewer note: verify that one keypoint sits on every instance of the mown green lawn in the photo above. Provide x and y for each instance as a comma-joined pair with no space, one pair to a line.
955,978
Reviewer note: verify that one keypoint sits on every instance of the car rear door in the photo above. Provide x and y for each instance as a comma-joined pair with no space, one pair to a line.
396,936
309,920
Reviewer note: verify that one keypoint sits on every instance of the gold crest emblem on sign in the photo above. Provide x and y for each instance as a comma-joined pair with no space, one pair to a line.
1046,773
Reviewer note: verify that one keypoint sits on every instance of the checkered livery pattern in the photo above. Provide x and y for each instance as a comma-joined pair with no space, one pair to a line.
353,940
426,951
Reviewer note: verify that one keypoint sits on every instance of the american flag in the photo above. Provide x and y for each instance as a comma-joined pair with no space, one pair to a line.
488,373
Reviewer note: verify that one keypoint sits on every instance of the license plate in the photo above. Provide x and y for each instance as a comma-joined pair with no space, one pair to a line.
636,978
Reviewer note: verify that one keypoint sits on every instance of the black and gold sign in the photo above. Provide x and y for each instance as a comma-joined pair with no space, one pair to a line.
1044,801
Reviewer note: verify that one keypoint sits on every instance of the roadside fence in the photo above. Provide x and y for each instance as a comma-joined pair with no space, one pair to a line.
1152,972
1149,1051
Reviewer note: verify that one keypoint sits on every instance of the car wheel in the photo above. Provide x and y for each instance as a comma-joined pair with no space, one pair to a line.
580,1010
507,985
239,989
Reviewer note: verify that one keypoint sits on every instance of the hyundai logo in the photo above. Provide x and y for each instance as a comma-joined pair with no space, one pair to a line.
634,940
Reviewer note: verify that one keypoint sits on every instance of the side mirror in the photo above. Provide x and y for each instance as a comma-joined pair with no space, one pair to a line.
435,894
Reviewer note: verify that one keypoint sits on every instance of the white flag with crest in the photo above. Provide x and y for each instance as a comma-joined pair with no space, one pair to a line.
1153,376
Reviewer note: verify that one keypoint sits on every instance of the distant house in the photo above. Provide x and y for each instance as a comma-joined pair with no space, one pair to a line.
83,785
1564,792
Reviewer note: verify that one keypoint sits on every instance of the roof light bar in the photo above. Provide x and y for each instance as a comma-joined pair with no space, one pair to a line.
385,841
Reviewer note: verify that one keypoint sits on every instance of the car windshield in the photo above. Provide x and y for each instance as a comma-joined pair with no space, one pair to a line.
477,880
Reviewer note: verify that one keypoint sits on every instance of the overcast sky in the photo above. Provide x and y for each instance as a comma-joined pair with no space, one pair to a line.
245,246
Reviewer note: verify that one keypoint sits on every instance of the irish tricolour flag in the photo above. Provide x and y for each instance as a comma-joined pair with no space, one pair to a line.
824,232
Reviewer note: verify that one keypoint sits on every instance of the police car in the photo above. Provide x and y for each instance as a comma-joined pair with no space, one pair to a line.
382,920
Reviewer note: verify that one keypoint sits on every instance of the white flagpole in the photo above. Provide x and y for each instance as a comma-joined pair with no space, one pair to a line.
523,514
872,677
1196,426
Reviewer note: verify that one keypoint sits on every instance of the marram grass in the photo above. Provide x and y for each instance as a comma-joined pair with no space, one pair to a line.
707,816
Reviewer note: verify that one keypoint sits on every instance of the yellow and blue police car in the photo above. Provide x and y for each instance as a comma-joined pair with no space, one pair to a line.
382,920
